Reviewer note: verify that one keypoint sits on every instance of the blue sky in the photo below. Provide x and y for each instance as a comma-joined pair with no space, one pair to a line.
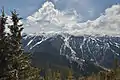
90,9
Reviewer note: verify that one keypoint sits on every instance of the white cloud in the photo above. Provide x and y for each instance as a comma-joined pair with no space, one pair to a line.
81,6
50,20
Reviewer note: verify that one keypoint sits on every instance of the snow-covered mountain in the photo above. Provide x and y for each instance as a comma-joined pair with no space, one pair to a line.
60,33
99,50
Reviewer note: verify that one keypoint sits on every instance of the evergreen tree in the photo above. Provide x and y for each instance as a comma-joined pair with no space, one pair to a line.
102,75
116,64
2,24
14,63
70,75
58,75
3,48
20,64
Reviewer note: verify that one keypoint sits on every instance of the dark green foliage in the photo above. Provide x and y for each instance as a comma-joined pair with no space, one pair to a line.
4,45
14,63
2,24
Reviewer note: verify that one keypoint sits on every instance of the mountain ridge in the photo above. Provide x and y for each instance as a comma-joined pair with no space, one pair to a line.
78,49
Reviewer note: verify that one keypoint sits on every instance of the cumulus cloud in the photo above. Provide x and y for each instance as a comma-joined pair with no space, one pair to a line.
84,7
50,20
